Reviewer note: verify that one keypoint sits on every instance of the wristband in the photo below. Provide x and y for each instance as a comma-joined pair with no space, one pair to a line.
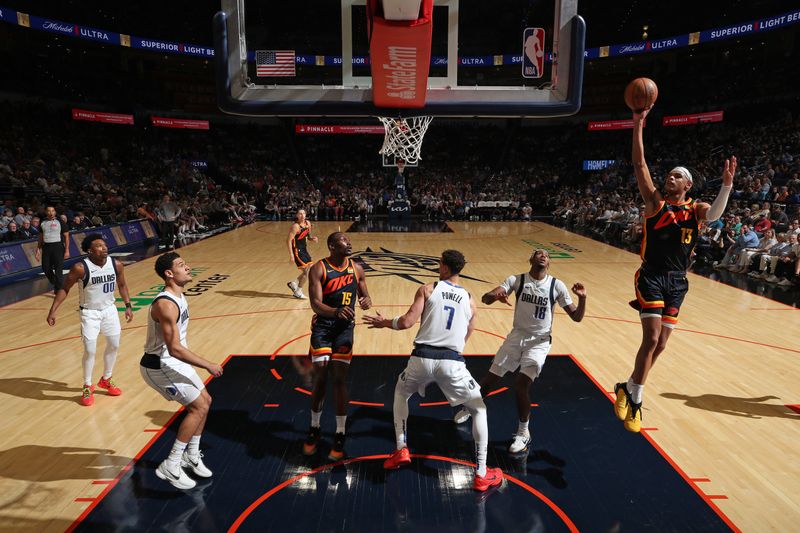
395,320
128,305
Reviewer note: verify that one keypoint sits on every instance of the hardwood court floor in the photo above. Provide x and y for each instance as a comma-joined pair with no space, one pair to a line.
716,402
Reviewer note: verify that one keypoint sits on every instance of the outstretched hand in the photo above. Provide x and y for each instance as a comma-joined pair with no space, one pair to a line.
729,172
376,322
641,115
503,298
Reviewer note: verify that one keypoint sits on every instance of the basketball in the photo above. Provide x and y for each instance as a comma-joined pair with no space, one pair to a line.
641,94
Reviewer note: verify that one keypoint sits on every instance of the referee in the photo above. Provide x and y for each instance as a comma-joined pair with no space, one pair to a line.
53,248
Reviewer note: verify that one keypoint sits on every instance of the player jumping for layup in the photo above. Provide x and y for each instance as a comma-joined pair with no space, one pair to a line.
334,284
448,319
670,235
528,344
299,234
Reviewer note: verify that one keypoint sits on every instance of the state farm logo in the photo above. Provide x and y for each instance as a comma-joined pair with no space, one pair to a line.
407,266
401,75
57,26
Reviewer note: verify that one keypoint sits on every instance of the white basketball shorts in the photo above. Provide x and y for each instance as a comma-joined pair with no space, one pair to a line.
177,381
453,378
523,351
94,322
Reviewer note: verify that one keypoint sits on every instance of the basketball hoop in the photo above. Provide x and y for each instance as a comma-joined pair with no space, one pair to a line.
404,137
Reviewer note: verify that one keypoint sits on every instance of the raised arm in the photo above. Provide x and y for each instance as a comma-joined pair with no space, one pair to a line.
576,313
498,294
650,195
165,313
122,285
75,274
714,211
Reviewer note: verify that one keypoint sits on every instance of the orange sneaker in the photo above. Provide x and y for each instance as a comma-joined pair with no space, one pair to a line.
397,459
110,386
87,396
493,478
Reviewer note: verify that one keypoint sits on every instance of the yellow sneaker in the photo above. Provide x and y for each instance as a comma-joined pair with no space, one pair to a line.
622,401
633,420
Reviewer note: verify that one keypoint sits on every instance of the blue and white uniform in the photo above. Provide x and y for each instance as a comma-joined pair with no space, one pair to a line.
527,345
173,378
437,348
96,300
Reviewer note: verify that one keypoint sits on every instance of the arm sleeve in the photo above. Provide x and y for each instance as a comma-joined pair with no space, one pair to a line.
563,296
510,284
718,207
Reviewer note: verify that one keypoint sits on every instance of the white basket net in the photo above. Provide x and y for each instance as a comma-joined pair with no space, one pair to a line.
404,137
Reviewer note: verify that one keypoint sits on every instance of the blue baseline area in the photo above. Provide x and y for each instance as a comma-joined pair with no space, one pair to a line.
599,476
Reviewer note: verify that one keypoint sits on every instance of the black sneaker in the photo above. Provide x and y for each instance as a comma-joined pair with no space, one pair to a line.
337,451
310,445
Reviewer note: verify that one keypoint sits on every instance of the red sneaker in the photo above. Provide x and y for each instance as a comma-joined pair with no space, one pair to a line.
110,386
397,459
493,478
87,396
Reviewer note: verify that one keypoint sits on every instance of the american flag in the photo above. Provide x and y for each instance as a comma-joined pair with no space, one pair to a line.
275,63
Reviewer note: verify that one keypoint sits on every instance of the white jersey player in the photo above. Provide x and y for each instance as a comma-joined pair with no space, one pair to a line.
527,345
97,276
448,314
167,367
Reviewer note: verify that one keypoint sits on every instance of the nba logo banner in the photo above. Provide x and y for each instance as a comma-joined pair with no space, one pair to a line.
532,52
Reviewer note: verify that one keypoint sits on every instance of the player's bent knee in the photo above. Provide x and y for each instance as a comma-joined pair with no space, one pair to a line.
475,406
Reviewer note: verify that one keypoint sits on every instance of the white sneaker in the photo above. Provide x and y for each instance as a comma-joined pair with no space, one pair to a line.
764,275
178,479
773,279
785,283
292,286
461,416
754,274
299,294
196,466
520,443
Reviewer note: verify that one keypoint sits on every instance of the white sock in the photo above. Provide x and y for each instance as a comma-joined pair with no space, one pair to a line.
400,415
174,458
110,355
340,422
480,432
315,416
636,393
89,347
522,428
193,449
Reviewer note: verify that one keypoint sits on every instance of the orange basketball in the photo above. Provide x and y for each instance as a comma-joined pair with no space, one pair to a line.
640,94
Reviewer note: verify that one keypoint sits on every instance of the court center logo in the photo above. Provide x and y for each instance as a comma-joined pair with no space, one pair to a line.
412,267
